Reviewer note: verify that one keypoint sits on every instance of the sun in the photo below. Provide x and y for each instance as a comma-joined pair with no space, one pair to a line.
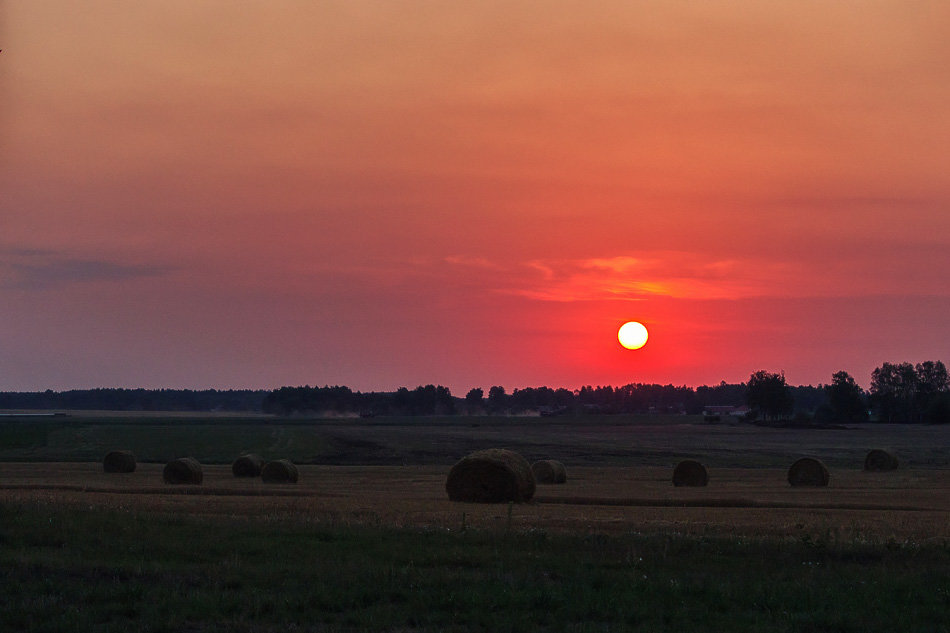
633,335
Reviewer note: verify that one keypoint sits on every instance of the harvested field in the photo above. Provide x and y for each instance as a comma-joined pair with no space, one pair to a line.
902,505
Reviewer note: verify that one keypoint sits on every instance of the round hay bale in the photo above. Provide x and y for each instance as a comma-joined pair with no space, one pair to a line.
184,470
248,465
808,472
549,471
880,460
689,472
495,475
280,471
119,462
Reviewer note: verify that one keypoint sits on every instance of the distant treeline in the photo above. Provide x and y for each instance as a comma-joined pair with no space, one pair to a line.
136,400
899,393
437,400
423,400
427,400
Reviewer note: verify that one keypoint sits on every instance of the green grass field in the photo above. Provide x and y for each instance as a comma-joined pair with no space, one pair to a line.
582,440
75,570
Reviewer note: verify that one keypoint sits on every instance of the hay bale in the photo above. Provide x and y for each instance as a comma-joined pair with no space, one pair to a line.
549,471
184,470
119,462
808,472
689,472
280,471
248,465
880,460
495,475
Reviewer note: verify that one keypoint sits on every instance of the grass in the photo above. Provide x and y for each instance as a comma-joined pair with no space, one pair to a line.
156,440
68,569
590,440
145,562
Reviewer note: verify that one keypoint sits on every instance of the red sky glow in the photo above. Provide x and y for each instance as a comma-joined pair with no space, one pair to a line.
382,194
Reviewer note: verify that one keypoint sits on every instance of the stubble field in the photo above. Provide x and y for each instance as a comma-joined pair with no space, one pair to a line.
368,540
902,505
391,471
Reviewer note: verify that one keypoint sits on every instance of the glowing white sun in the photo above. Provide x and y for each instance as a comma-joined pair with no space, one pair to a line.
633,335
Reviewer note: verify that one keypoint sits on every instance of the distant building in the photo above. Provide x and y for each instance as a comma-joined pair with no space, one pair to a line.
716,413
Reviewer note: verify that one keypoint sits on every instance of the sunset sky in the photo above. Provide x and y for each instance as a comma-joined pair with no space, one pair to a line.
238,194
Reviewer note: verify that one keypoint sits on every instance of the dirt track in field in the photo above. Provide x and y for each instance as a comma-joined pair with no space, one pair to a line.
902,505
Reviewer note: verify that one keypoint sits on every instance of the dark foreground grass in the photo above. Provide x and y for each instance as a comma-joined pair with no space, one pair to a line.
109,570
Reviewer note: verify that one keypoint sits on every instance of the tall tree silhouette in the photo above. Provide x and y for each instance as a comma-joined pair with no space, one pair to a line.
769,394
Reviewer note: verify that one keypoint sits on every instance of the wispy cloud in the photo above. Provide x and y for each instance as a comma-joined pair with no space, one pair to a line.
473,262
704,276
668,274
34,269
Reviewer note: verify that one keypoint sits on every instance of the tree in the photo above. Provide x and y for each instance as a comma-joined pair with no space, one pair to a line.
932,381
497,400
474,398
893,392
769,394
846,398
910,393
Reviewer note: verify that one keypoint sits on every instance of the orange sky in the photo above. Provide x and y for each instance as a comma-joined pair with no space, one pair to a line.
384,194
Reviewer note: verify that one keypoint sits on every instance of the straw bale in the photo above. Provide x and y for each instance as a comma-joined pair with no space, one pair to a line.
184,470
495,475
119,462
808,472
549,471
880,460
279,471
689,472
248,465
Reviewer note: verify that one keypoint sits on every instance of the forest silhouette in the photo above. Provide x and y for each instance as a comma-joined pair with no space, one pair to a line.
899,393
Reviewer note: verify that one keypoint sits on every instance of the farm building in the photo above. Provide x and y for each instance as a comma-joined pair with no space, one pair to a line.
717,413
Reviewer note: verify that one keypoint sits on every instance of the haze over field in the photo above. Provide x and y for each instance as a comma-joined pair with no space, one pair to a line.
378,194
